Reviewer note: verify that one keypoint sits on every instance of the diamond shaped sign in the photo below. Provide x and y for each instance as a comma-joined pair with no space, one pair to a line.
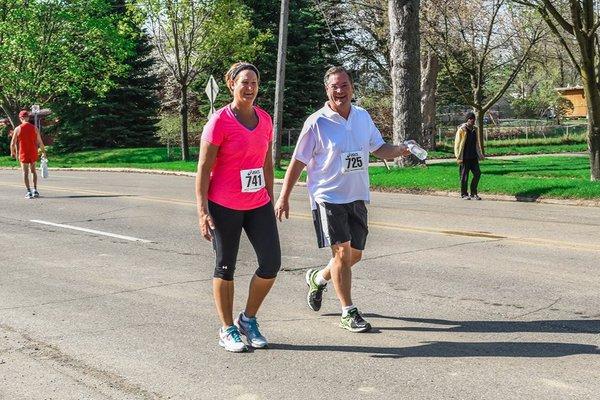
212,89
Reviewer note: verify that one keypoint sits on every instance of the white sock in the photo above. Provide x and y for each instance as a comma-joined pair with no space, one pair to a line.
320,279
346,309
245,318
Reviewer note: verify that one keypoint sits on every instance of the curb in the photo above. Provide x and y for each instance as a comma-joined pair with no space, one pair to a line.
441,193
494,197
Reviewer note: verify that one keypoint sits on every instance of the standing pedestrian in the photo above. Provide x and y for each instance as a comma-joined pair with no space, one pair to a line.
234,192
25,142
334,146
467,150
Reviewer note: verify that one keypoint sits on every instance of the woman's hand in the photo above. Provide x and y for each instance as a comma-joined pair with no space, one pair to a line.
206,226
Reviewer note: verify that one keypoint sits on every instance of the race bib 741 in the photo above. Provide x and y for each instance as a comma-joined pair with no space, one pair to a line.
252,180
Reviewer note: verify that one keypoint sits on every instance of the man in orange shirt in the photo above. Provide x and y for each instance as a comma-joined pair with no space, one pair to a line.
27,138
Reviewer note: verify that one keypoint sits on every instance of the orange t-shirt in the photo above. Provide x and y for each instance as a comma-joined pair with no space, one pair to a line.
27,143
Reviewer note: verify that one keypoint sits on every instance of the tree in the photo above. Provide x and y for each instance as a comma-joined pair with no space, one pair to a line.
575,23
430,67
316,37
368,53
405,72
190,34
485,40
52,48
127,115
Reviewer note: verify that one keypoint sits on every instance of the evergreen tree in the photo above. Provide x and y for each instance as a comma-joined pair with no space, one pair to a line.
311,50
127,115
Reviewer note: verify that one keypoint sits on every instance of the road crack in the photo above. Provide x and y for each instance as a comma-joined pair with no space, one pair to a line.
94,378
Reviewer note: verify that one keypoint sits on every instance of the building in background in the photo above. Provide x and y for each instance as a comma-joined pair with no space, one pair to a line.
575,96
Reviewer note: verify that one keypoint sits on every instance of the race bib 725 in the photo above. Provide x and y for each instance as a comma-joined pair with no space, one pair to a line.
353,161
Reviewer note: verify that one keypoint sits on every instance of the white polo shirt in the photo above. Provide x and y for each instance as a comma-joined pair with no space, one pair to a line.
336,154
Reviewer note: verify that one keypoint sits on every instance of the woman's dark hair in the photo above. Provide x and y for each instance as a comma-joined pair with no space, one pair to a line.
238,67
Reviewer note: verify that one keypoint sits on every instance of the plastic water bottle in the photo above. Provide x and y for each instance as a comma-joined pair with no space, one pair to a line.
416,150
44,167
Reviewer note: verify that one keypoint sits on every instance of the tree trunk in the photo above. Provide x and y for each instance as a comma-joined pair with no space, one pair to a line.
405,73
429,72
594,144
280,83
479,113
592,96
183,114
12,112
477,84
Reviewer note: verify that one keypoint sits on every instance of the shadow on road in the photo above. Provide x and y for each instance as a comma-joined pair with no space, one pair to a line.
532,195
543,326
91,196
456,349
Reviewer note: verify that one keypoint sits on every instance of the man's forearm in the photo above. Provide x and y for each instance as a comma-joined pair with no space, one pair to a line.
390,151
291,177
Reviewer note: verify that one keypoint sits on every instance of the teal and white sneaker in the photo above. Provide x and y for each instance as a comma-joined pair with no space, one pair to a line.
250,330
315,292
231,340
354,322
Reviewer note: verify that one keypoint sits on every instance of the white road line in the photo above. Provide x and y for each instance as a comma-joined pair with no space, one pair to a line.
130,238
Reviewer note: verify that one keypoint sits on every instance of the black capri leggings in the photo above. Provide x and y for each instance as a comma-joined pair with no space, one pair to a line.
260,226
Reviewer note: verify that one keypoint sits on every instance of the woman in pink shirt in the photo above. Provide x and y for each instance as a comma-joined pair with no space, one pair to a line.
234,192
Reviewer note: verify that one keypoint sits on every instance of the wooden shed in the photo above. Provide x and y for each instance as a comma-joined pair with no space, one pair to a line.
574,95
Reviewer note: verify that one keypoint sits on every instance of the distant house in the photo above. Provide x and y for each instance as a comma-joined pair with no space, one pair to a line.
574,95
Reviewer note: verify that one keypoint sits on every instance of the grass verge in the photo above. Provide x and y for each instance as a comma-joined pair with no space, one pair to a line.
535,177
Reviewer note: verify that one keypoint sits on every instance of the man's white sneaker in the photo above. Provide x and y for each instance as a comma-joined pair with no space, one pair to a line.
231,340
249,328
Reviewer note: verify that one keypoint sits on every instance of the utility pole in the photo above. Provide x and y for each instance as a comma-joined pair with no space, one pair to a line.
280,81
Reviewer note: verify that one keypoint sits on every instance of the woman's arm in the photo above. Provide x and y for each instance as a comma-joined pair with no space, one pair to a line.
269,173
206,160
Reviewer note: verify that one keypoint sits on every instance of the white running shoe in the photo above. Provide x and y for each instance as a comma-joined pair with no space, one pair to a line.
231,340
250,330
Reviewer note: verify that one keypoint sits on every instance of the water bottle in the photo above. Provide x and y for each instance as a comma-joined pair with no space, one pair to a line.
44,167
416,150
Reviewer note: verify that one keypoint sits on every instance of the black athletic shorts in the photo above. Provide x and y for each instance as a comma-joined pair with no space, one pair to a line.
340,223
260,226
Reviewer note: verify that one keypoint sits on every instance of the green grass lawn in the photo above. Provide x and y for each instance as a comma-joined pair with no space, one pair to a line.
147,158
550,177
562,144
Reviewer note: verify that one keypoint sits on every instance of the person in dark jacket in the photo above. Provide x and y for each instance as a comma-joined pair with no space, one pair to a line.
467,150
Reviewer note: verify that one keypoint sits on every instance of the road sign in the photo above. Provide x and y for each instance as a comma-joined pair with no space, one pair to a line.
212,89
35,110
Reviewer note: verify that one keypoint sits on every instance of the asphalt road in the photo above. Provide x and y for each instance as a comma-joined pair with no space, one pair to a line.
469,300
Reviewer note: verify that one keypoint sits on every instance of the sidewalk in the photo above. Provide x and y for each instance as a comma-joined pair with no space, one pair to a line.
512,157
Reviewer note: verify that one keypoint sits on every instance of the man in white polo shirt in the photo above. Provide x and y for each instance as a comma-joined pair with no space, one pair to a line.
334,146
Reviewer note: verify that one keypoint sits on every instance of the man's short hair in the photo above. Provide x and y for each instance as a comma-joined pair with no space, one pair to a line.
469,115
336,70
23,114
